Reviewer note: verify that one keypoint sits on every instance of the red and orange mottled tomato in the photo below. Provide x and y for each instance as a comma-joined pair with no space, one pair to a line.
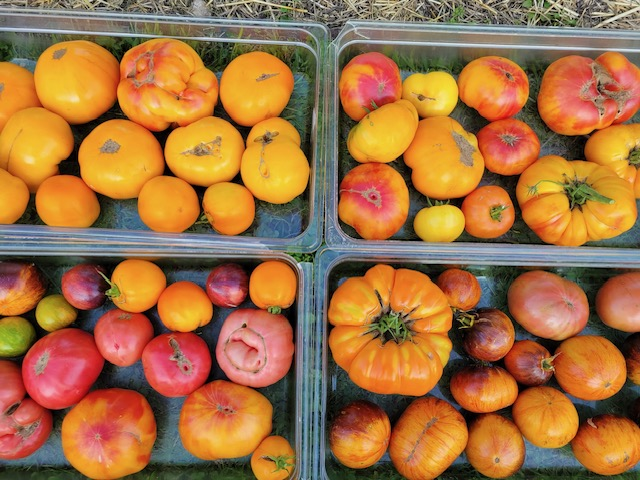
163,81
488,212
625,89
17,91
390,330
508,146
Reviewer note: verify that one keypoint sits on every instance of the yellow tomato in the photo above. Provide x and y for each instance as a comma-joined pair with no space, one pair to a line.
14,197
433,93
439,223
229,207
66,201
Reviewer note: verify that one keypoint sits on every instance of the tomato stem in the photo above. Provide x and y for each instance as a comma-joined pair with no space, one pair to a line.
577,190
274,309
496,212
282,462
547,363
113,291
634,157
391,326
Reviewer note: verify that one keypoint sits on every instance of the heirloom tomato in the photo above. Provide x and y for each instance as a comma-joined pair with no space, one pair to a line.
444,159
374,200
545,416
227,285
136,285
53,312
429,435
66,201
176,364
83,285
168,204
33,143
508,146
274,459
205,152
17,91
368,81
22,285
163,81
495,447
548,305
255,86
390,330
590,367
77,79
17,334
441,222
383,134
461,287
184,306
487,333
488,212
109,434
483,388
118,157
607,444
61,367
24,425
617,147
433,93
14,197
530,363
570,203
617,302
121,336
273,286
230,208
271,128
224,420
496,87
255,348
625,88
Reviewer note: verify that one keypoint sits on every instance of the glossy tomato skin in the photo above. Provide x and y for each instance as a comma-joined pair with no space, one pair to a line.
461,287
488,334
61,367
121,336
368,81
224,420
175,364
508,146
631,350
617,302
24,425
22,286
626,88
548,305
18,90
529,362
439,223
109,434
227,285
274,459
136,285
273,286
83,285
488,212
483,388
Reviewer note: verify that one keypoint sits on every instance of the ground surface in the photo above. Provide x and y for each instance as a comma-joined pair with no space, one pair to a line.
618,14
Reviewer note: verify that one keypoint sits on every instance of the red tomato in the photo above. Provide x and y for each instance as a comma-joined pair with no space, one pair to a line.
255,348
60,368
617,302
121,336
175,364
508,146
24,425
488,212
109,434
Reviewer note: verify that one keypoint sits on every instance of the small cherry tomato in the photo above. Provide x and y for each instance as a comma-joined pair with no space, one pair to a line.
488,212
439,223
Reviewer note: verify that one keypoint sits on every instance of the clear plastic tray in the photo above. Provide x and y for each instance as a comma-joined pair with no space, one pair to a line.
335,389
296,226
291,397
429,46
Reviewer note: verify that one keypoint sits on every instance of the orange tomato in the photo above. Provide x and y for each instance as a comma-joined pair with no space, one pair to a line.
184,306
168,204
136,285
488,212
66,201
77,79
118,157
255,86
32,144
205,152
273,286
14,197
274,459
229,207
274,128
17,91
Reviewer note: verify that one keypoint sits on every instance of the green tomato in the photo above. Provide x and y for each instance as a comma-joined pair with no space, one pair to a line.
17,334
439,223
54,312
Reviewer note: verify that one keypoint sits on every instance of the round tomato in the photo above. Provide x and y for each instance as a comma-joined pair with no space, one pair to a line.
390,330
487,333
483,388
163,81
121,336
488,212
17,334
109,434
54,312
118,157
224,420
496,87
184,306
530,363
274,459
61,367
84,284
508,146
77,79
32,144
271,128
439,223
23,286
175,364
136,285
14,197
230,208
461,287
205,152
168,204
66,201
273,285
548,305
24,425
255,86
433,93
17,91
255,348
617,302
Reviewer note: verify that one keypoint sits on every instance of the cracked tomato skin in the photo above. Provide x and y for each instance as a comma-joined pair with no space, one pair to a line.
24,425
163,81
110,433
